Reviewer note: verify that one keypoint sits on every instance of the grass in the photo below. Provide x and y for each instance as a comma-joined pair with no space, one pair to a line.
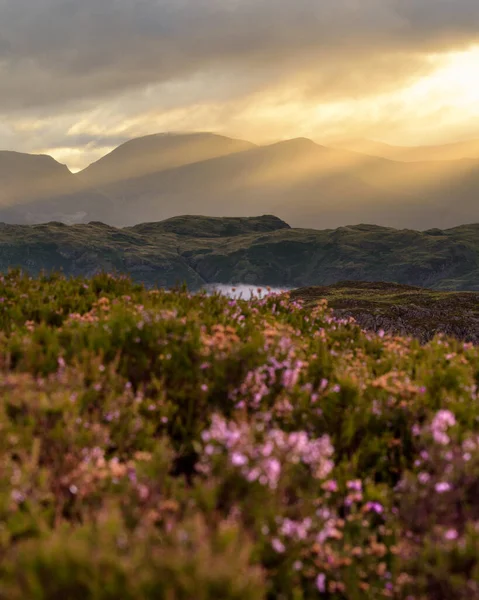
163,445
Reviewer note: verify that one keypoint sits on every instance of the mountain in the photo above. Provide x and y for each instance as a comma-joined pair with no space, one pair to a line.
452,151
36,188
255,251
307,185
156,153
400,309
301,182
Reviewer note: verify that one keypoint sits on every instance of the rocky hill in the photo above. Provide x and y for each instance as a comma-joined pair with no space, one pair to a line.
258,251
400,309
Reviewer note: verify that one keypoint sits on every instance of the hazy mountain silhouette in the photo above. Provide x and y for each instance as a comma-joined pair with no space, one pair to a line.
154,153
308,185
36,188
452,151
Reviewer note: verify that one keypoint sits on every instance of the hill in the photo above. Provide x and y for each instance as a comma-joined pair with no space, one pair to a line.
399,309
161,445
303,183
257,251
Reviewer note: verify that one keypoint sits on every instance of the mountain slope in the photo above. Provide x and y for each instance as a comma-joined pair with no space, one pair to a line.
26,175
301,182
36,188
155,153
298,180
306,185
257,251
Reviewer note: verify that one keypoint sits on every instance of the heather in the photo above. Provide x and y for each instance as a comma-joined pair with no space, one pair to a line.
169,445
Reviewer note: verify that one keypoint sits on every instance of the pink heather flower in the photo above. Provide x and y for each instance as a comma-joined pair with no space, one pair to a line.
355,485
17,496
442,486
451,534
209,449
238,459
204,387
416,430
273,471
441,438
469,445
321,583
330,486
374,507
278,545
440,424
423,477
336,388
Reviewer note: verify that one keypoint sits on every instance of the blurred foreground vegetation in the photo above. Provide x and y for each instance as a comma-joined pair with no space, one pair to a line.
163,445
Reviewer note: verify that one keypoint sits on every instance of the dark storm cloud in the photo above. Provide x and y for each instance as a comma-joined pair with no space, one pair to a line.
53,52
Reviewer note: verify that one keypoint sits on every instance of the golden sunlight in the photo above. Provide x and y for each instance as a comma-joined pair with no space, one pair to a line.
455,82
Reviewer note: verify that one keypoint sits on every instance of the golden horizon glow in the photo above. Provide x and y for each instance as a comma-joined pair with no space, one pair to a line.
437,108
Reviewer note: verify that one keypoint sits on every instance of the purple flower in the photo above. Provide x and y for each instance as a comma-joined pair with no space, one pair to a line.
238,459
442,486
355,485
440,424
451,534
423,477
330,486
374,507
278,545
321,583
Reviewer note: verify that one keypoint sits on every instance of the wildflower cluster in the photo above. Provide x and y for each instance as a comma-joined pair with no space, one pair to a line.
162,444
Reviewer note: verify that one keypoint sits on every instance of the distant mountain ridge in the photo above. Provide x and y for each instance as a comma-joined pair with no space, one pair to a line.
256,251
468,149
308,185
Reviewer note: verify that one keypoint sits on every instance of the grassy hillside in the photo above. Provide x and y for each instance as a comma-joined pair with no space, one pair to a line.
400,309
256,251
157,445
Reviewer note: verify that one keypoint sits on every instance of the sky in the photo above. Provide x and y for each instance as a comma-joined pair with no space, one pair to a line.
79,77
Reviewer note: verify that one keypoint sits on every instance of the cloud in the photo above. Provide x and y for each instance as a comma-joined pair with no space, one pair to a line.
60,51
89,74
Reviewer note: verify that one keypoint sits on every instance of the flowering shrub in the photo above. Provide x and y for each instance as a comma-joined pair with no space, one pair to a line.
159,444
